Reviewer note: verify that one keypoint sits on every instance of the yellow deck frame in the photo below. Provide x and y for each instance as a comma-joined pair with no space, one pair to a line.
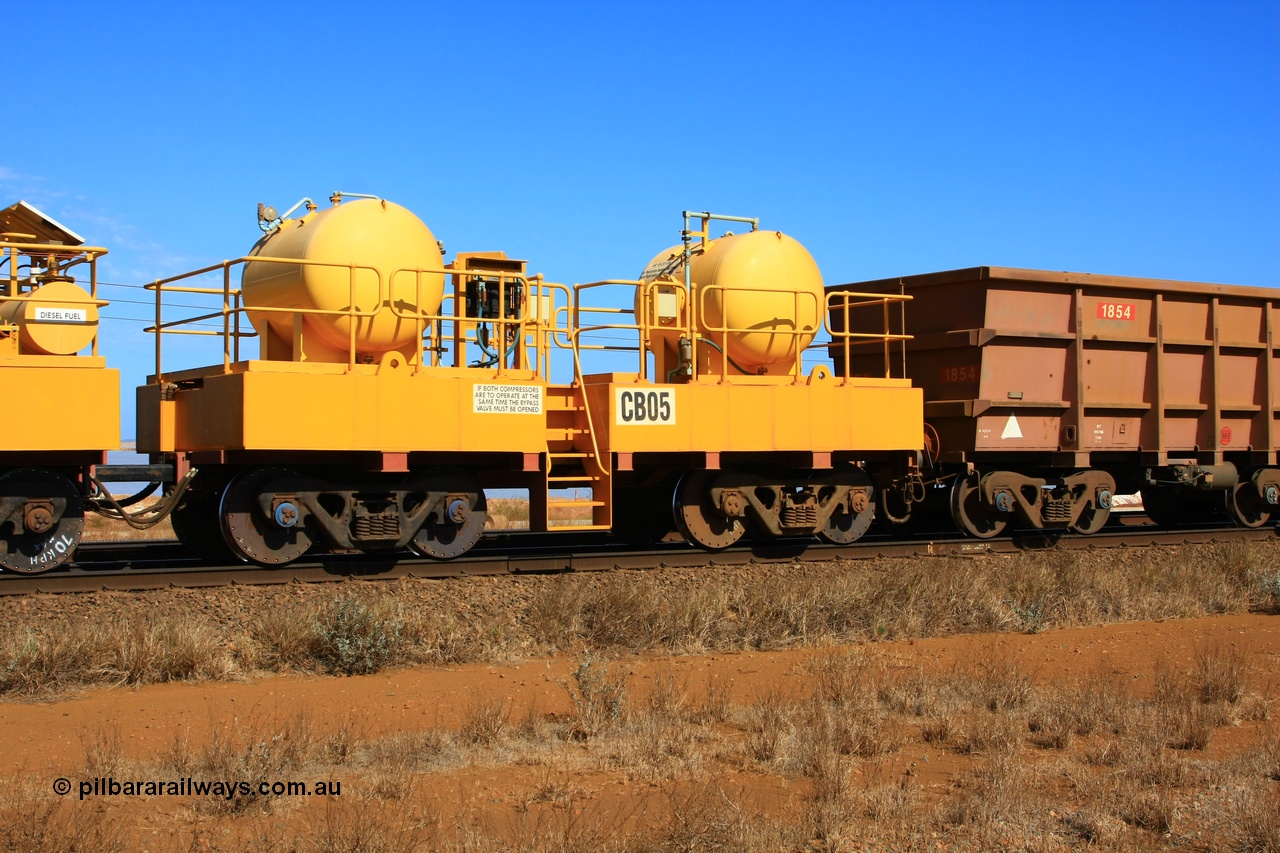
54,403
59,403
280,405
822,415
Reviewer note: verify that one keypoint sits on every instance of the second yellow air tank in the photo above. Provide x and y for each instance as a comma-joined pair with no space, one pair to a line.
758,296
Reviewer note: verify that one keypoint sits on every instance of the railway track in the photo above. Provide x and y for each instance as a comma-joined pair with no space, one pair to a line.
160,564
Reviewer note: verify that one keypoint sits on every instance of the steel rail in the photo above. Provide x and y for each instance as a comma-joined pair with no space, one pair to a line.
161,564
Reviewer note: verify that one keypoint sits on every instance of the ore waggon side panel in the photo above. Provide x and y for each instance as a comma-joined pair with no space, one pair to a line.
1169,386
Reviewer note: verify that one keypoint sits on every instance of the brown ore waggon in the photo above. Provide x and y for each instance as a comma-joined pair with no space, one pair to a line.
1049,393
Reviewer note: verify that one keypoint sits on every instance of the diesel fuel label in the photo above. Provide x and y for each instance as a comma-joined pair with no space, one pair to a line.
507,399
61,315
637,406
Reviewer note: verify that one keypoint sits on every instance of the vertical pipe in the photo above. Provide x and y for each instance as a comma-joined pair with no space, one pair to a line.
459,302
848,341
1215,397
1268,373
686,257
798,366
159,331
902,309
351,317
93,291
642,323
884,304
1160,412
226,317
1077,344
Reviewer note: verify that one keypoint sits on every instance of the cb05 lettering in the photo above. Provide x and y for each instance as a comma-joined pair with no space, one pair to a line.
655,406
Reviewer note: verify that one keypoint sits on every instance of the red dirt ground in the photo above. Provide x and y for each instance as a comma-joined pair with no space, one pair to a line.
47,740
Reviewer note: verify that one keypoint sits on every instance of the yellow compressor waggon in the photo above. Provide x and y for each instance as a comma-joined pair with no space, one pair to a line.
391,388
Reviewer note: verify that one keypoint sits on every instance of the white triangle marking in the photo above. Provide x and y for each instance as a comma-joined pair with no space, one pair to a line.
1011,428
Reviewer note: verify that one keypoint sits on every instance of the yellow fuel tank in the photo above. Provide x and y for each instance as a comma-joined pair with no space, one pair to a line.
57,318
762,286
382,240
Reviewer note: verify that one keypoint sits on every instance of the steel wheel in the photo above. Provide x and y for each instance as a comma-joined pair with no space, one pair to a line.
1245,506
641,517
48,508
1165,507
248,532
844,527
465,517
968,512
1092,519
697,520
197,526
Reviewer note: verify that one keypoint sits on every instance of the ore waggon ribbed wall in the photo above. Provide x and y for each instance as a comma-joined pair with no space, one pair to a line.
1050,392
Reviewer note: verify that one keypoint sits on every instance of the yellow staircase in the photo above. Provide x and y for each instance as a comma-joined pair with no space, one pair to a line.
573,463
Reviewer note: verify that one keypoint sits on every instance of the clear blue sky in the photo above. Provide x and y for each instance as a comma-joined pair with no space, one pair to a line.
890,138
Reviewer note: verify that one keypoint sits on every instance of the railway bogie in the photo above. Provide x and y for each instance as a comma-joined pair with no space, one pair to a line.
273,515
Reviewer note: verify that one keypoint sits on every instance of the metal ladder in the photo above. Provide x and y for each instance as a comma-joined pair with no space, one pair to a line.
573,462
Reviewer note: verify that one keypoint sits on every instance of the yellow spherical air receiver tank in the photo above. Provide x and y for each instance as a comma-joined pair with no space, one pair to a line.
385,242
758,296
57,318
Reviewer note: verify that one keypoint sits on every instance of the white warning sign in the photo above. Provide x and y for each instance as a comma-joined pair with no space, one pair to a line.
1011,428
507,399
61,315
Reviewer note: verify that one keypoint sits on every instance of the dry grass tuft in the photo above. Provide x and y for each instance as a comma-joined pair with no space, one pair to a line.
1222,670
999,684
33,818
362,825
103,750
769,722
1152,809
1253,818
143,651
177,649
356,634
485,721
261,749
33,664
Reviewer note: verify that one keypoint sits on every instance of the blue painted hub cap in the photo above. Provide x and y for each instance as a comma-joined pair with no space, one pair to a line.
286,514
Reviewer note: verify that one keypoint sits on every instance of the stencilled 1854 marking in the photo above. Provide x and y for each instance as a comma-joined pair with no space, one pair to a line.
1117,310
53,550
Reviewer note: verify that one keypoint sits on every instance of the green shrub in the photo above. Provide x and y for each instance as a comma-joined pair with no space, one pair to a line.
354,638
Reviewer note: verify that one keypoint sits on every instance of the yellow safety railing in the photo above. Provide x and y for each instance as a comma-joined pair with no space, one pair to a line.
696,329
531,327
847,339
